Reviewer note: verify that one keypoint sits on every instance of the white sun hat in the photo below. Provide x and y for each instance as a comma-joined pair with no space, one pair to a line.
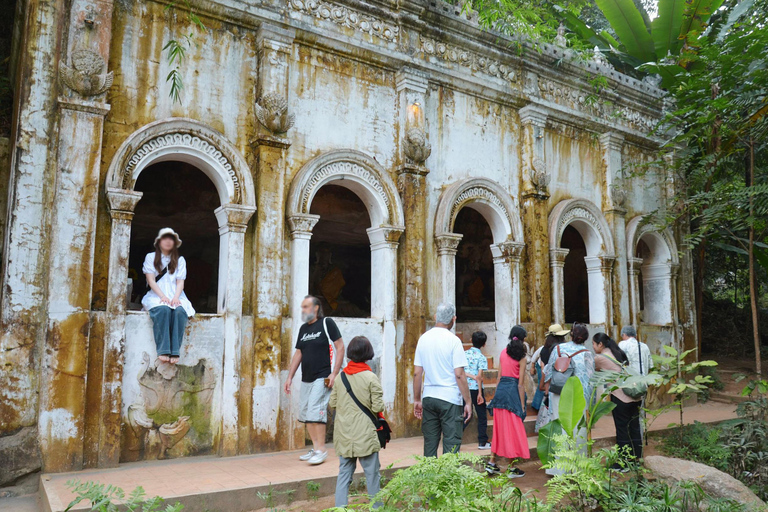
168,231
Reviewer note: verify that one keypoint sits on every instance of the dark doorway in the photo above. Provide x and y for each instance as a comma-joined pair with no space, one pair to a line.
575,280
180,196
340,253
475,296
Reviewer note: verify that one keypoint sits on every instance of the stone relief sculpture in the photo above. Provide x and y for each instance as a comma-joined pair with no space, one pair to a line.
599,59
416,147
618,193
86,76
539,176
272,112
560,39
175,399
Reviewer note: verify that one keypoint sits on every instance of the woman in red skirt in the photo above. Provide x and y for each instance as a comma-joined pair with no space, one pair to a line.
509,407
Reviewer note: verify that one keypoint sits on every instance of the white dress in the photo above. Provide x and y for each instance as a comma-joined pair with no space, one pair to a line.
167,283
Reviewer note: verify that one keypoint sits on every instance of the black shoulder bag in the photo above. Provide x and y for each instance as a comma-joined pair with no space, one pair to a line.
158,277
380,424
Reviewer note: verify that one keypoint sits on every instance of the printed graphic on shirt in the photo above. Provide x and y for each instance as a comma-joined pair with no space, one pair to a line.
314,346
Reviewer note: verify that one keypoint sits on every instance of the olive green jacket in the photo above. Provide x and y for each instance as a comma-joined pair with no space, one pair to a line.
353,432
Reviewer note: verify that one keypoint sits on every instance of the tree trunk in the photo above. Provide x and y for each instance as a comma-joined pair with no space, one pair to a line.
751,257
698,287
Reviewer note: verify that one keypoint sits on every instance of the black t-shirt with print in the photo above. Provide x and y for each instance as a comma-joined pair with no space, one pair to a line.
315,352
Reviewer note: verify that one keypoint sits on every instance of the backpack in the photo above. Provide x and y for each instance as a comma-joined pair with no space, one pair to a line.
562,370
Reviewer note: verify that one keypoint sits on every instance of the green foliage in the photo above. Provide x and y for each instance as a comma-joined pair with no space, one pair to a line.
700,443
108,498
582,480
572,405
176,48
312,490
451,483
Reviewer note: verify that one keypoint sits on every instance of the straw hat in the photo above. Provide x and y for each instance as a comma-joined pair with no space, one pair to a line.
557,330
168,231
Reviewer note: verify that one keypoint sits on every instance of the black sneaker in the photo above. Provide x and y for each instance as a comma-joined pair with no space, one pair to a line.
492,469
515,473
619,468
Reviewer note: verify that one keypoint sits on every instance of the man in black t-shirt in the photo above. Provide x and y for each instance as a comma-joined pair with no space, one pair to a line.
313,352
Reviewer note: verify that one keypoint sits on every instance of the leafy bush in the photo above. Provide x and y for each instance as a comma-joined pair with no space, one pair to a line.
107,498
701,443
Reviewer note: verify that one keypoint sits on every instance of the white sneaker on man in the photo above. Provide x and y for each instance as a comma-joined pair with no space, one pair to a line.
486,446
318,458
307,455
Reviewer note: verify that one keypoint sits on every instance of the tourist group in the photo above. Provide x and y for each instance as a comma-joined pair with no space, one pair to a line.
447,380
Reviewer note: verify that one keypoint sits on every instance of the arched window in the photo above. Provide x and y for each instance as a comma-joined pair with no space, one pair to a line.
475,296
575,277
180,196
340,253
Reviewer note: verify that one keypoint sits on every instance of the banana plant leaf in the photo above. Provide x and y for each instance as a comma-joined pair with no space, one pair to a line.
572,405
670,73
695,16
581,29
545,446
630,28
665,28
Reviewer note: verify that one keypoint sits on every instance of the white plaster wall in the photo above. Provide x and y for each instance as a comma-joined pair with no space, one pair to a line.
576,167
203,340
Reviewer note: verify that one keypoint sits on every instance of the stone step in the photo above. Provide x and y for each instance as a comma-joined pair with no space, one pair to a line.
490,376
717,396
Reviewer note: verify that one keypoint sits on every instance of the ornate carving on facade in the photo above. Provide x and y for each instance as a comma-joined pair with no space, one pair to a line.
618,193
272,113
586,213
387,236
447,243
343,15
179,139
233,217
469,59
475,193
415,146
540,176
557,256
122,203
578,213
606,263
86,76
509,252
302,223
341,168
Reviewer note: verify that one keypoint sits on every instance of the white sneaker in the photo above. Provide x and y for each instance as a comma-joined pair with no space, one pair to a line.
307,455
318,458
486,446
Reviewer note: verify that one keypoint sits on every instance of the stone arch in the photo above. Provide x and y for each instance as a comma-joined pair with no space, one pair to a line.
653,275
489,199
498,209
353,170
188,141
589,221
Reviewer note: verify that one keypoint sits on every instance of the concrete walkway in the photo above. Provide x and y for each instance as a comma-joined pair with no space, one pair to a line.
240,484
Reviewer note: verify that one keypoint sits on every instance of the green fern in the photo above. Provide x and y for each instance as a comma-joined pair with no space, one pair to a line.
105,498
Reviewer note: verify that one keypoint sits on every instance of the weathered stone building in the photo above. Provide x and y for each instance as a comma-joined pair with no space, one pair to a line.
384,155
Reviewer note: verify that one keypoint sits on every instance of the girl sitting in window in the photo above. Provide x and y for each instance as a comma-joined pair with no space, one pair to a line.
166,302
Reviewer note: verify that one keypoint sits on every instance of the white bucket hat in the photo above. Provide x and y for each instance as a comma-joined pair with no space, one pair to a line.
168,231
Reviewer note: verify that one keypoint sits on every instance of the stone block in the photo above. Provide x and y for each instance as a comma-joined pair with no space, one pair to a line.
20,455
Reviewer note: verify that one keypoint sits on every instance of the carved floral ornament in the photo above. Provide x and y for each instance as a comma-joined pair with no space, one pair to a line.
416,147
540,176
183,140
469,59
86,76
477,193
343,15
272,113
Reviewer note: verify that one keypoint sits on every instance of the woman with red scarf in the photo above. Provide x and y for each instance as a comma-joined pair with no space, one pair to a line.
354,435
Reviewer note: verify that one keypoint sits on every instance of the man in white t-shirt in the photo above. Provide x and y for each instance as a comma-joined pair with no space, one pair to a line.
638,353
439,366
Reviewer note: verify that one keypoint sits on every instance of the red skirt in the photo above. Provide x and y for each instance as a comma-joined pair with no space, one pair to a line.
509,437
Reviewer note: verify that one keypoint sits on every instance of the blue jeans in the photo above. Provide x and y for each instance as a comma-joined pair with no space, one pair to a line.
168,325
539,396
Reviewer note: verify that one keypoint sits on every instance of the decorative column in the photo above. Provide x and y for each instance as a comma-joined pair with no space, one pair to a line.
412,173
301,226
384,242
539,294
259,424
557,263
447,247
677,325
607,266
233,220
506,279
121,204
633,269
615,213
73,211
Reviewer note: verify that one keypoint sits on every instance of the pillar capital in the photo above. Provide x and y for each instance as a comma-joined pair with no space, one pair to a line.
412,80
557,256
272,37
233,218
385,236
447,243
533,115
606,263
301,225
507,252
633,265
122,203
611,141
